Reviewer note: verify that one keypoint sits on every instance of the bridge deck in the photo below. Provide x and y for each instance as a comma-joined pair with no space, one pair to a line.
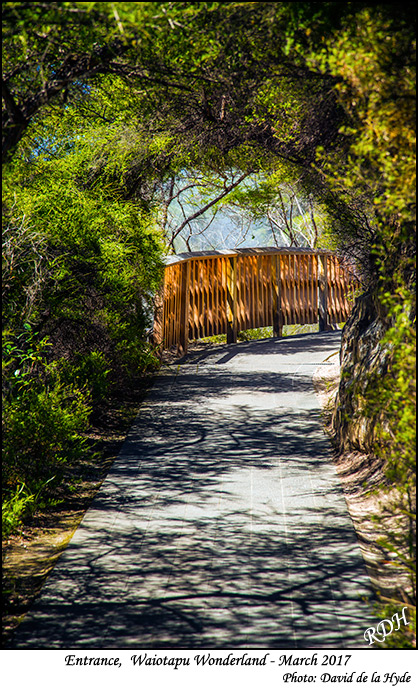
222,523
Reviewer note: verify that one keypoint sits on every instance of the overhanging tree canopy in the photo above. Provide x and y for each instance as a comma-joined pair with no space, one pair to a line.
319,91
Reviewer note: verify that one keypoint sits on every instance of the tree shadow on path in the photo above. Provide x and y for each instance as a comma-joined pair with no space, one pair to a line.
221,525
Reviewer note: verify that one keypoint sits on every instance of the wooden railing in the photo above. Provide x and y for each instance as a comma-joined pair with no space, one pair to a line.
225,292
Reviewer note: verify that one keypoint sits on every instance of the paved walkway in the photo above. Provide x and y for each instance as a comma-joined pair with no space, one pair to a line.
222,523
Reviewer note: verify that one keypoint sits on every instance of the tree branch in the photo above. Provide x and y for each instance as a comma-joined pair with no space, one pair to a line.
207,206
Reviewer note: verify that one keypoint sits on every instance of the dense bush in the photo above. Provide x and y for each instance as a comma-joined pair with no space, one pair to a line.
42,422
80,269
391,399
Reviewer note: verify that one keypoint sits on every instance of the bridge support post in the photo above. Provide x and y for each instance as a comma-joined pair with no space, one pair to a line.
157,338
231,303
323,293
184,309
277,296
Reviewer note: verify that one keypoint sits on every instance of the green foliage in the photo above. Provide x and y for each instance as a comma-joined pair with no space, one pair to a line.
21,505
15,509
42,423
397,438
219,338
81,266
371,173
373,58
42,416
47,51
139,355
105,252
41,431
321,93
391,400
22,354
255,334
90,371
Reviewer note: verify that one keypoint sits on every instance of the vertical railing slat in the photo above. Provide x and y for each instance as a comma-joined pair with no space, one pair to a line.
323,292
231,333
277,317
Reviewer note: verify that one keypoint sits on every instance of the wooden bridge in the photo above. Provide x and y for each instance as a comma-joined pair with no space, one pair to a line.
228,291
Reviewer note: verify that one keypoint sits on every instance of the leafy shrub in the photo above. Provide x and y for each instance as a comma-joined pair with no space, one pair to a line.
80,267
20,505
43,416
90,372
41,431
393,396
139,356
14,509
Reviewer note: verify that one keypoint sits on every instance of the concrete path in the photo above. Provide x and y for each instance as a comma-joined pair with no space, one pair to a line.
222,523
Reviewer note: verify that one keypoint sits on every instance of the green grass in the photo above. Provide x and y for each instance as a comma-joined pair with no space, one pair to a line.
265,332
